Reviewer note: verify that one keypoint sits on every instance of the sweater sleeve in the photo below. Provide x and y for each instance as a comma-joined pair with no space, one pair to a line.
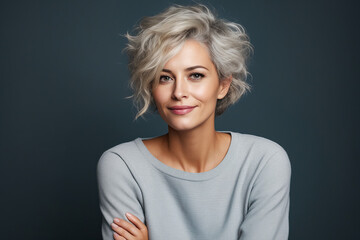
119,192
268,213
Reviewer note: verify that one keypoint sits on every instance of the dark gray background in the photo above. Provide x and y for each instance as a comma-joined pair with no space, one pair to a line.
63,89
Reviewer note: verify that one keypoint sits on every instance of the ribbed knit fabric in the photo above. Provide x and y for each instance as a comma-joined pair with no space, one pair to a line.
245,197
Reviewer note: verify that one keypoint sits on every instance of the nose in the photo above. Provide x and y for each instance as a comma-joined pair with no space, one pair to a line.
180,90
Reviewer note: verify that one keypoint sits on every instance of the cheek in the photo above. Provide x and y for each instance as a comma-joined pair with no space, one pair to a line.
160,95
206,92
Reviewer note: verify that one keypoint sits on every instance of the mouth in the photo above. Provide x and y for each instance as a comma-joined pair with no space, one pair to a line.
181,110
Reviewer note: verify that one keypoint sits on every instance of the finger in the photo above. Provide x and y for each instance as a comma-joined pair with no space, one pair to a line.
121,231
137,222
127,226
118,237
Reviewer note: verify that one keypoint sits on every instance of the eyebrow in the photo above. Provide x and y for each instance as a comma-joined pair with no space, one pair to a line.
187,69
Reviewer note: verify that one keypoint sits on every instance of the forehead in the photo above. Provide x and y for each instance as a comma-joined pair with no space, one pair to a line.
192,53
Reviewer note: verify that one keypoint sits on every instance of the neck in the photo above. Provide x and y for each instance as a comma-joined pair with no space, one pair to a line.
195,150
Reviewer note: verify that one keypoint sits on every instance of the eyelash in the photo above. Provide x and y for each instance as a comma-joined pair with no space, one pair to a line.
200,76
193,76
165,78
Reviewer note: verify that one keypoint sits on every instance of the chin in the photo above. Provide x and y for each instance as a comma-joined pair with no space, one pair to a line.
182,125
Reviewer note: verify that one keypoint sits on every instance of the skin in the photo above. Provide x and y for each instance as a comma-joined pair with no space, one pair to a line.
191,144
125,230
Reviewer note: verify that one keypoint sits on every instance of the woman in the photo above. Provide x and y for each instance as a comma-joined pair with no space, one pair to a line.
193,182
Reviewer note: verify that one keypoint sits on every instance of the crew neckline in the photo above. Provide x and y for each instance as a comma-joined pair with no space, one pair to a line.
177,173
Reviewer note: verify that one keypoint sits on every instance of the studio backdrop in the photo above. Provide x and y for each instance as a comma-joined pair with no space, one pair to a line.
63,89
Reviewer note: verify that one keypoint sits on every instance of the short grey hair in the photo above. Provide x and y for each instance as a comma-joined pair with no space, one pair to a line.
158,38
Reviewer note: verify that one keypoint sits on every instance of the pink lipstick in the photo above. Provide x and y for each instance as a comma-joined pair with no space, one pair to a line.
181,110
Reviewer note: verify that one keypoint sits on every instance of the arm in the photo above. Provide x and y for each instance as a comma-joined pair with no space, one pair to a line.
119,192
268,213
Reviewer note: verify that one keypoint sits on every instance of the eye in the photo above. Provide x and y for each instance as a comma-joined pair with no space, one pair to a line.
165,78
196,76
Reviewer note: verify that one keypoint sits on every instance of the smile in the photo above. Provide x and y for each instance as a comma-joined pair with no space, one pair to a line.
181,110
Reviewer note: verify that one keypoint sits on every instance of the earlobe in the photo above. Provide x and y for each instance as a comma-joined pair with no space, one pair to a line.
224,87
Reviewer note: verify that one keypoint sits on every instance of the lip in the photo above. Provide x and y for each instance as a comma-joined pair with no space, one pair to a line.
181,110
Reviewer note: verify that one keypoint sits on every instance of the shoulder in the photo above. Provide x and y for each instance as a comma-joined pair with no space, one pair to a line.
259,143
266,162
117,182
125,157
115,158
262,152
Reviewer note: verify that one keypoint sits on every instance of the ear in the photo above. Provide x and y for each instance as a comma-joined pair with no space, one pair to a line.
224,87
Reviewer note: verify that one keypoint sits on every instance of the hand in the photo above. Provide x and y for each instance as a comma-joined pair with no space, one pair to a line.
124,230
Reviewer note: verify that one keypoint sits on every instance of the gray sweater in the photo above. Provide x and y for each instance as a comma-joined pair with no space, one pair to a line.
245,197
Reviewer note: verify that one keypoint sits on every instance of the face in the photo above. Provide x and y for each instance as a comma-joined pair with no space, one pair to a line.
188,88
